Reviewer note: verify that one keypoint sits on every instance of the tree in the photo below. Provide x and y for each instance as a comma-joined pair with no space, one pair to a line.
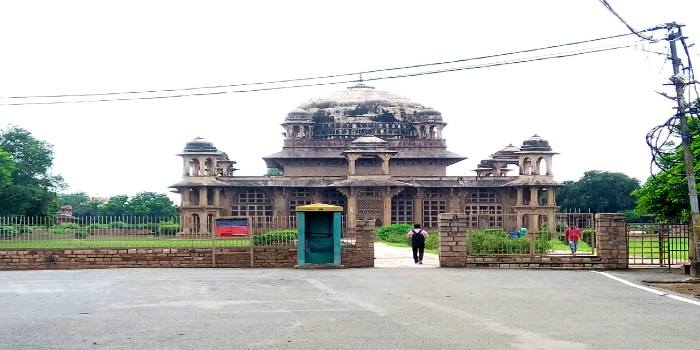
151,204
116,206
599,191
7,167
83,205
665,195
31,190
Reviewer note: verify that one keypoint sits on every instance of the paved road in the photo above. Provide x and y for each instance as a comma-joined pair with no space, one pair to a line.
388,256
385,308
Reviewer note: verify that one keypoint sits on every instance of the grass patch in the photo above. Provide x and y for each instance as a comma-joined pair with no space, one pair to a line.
583,247
649,247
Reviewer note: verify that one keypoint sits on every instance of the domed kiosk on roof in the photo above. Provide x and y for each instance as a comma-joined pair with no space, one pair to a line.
200,145
381,157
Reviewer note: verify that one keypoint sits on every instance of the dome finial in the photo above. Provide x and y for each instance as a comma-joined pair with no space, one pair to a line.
360,84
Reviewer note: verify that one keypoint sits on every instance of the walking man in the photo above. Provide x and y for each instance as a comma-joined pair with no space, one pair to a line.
572,235
417,236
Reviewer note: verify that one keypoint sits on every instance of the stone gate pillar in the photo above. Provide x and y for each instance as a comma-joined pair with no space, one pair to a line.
361,254
453,239
611,240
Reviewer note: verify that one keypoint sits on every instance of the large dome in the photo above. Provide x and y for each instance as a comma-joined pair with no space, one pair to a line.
362,103
362,110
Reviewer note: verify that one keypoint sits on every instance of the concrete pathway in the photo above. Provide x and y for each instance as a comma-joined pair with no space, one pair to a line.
389,256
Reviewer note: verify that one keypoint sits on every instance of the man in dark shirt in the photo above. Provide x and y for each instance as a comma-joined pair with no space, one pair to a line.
417,236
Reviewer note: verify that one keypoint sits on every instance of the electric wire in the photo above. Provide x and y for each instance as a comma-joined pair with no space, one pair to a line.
404,75
634,31
331,76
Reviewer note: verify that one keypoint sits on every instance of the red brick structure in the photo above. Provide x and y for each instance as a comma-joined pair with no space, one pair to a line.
362,253
359,254
611,248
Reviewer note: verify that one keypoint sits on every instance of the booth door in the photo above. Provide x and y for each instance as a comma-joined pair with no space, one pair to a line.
319,238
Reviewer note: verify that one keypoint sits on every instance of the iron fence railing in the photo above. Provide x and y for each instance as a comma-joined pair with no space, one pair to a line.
657,244
498,242
47,232
583,221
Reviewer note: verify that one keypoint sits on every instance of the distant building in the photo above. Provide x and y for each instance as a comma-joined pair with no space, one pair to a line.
379,156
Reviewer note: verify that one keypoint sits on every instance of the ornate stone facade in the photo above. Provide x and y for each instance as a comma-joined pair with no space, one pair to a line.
380,156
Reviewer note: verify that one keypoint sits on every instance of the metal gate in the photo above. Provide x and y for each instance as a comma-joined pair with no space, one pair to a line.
657,244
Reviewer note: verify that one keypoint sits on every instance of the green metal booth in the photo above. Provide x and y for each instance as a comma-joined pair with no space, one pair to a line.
318,234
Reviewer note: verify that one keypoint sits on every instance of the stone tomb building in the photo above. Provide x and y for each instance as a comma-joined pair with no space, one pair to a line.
381,157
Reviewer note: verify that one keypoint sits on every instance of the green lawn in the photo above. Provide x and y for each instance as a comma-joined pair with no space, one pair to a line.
123,243
583,247
648,247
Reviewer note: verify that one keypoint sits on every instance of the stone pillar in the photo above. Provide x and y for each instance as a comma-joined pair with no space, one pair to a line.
202,196
418,207
351,201
453,239
386,213
185,167
519,200
280,206
351,163
533,224
185,197
217,197
385,163
551,196
533,197
551,223
611,241
454,204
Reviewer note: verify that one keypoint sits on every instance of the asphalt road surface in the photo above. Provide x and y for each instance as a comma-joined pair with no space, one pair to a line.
387,308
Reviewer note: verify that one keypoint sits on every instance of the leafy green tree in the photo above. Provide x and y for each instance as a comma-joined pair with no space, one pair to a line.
151,204
116,206
7,167
600,191
32,188
665,195
83,205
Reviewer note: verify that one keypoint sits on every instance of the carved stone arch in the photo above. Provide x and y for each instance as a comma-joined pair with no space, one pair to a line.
194,167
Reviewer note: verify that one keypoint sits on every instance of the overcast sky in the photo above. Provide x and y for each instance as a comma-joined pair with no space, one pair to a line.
594,109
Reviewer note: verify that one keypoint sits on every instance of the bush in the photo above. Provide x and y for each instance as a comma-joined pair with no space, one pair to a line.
433,241
275,237
167,228
96,227
587,234
395,233
118,224
9,231
497,242
71,228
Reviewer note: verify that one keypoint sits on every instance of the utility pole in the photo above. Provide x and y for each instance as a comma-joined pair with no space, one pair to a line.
680,82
